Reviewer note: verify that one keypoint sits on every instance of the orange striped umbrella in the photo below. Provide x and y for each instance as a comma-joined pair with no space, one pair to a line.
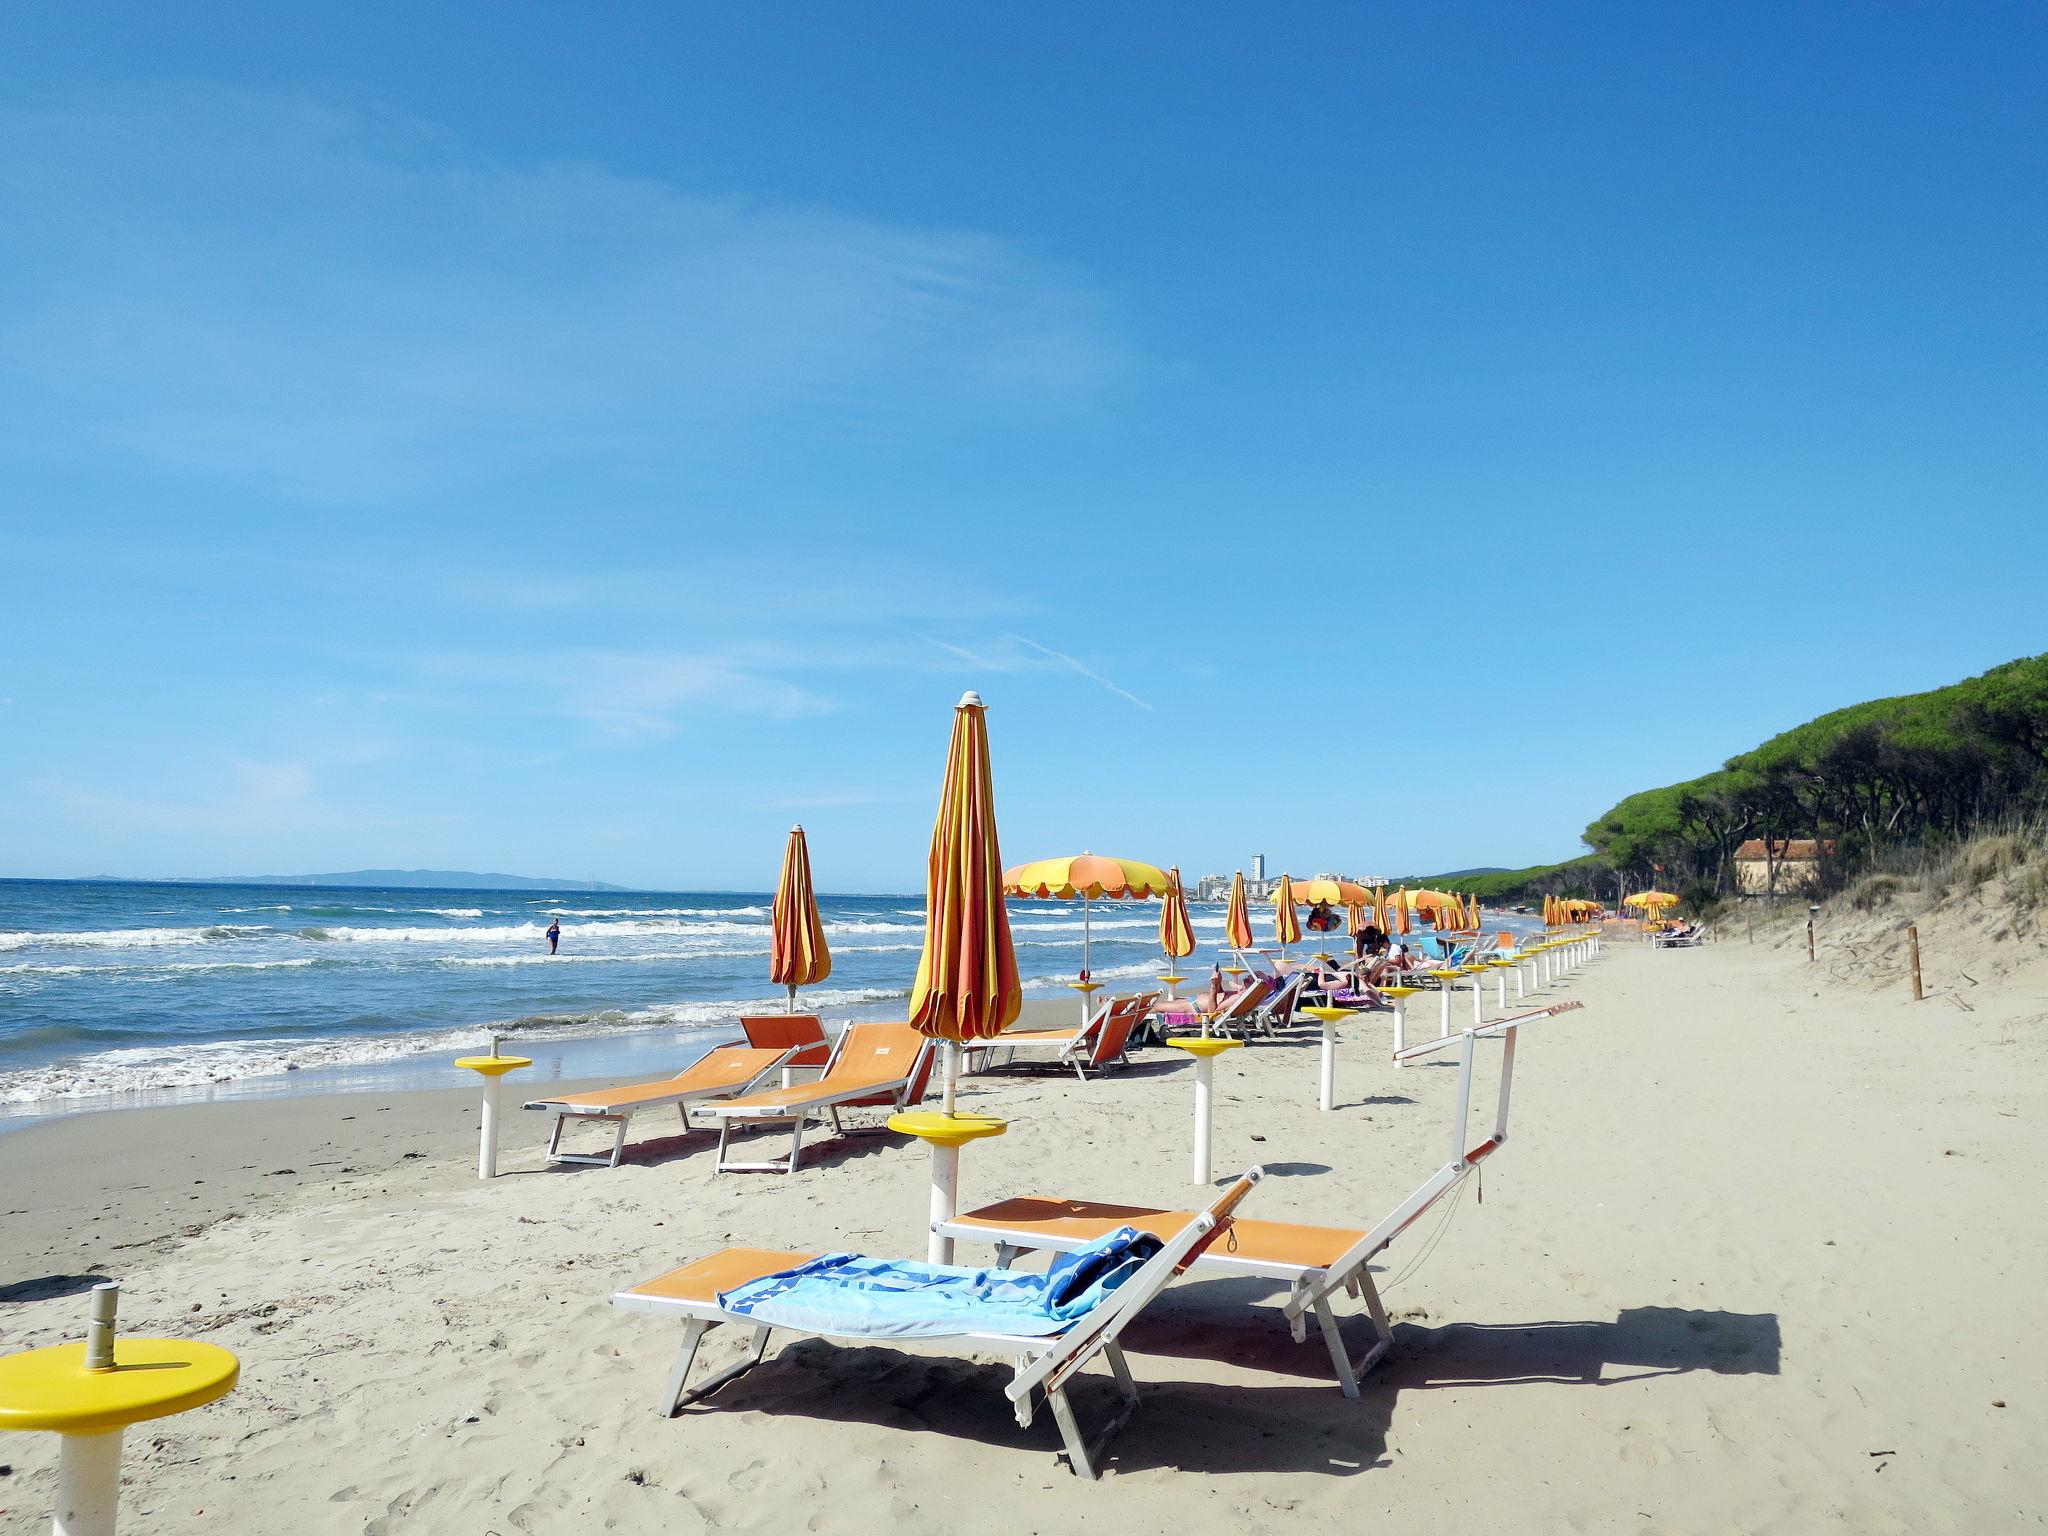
1403,913
798,956
1237,922
1379,909
1176,932
1286,921
966,987
1358,919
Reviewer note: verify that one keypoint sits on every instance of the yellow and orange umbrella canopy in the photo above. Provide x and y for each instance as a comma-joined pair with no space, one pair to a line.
1286,922
966,987
1176,933
1091,876
1359,917
1237,922
1335,893
1650,899
797,955
1404,911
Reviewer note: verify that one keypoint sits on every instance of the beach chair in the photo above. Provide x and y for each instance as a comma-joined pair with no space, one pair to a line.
1315,1262
703,1295
1277,1011
1235,1015
871,1066
1098,1045
803,1031
719,1074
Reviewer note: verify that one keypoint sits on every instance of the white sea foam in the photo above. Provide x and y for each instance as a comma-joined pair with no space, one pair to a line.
132,1069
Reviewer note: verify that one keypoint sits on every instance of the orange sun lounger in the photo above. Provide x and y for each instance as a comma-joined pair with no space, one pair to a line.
1315,1262
872,1065
718,1074
1042,1365
1099,1044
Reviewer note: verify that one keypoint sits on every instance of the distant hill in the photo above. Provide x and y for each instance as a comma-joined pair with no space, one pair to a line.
1465,874
419,880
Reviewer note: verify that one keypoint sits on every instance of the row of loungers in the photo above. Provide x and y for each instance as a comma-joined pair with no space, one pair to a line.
1118,1258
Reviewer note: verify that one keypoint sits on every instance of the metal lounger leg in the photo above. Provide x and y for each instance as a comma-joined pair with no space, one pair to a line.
1083,1452
555,1137
676,1395
796,1143
619,1140
684,1110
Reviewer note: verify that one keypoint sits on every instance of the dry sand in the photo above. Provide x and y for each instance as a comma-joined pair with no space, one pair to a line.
1764,1252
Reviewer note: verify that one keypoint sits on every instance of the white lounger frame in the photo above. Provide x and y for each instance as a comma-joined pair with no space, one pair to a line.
801,1115
1042,1364
565,1110
1312,1289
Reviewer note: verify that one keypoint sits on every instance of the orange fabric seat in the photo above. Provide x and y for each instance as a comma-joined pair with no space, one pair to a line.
703,1280
1266,1242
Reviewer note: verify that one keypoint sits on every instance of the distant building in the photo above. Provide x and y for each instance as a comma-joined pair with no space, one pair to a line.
1259,868
1795,861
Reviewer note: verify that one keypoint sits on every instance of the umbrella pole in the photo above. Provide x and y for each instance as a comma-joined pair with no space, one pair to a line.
945,1169
792,999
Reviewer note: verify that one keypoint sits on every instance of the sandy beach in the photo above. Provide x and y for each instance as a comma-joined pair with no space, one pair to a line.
1761,1254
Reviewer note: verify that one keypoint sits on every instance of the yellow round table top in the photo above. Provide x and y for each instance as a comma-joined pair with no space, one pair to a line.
1085,986
1204,1045
1446,975
494,1066
944,1130
1499,965
152,1378
1169,980
1330,1015
1400,991
1233,970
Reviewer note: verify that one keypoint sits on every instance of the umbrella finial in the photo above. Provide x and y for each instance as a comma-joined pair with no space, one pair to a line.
970,700
798,827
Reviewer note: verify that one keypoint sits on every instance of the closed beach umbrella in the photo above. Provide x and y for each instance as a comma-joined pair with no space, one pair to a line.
1379,909
1403,914
966,987
1237,922
798,956
1472,910
1286,922
1176,932
1358,919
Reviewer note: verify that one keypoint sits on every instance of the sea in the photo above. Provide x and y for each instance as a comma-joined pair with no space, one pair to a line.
115,993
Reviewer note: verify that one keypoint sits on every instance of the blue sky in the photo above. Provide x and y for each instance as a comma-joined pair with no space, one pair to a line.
1377,435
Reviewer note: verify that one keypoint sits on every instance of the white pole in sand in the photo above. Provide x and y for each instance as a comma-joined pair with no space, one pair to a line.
87,1400
491,1068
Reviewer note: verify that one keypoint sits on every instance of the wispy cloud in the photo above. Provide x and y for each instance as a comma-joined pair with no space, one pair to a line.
629,694
346,306
1020,653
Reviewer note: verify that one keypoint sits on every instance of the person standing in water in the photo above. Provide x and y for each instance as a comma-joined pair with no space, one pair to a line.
554,934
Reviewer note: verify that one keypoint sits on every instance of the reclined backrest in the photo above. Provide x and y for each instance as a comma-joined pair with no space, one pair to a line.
782,1030
882,1053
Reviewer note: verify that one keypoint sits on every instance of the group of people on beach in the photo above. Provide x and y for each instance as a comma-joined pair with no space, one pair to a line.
1376,961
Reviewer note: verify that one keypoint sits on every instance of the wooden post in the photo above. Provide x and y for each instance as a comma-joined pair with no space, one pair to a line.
1913,950
1809,939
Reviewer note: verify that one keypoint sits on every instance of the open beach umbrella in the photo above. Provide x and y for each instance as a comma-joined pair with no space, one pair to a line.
1092,877
966,986
797,957
1237,922
1335,893
1286,923
1650,899
1176,932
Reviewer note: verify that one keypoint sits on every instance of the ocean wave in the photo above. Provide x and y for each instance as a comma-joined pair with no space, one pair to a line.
132,1069
131,938
448,911
160,967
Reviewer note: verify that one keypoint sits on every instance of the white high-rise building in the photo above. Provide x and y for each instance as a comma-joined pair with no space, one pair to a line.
1259,867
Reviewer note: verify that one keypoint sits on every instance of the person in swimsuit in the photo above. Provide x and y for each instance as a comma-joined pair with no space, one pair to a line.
554,934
